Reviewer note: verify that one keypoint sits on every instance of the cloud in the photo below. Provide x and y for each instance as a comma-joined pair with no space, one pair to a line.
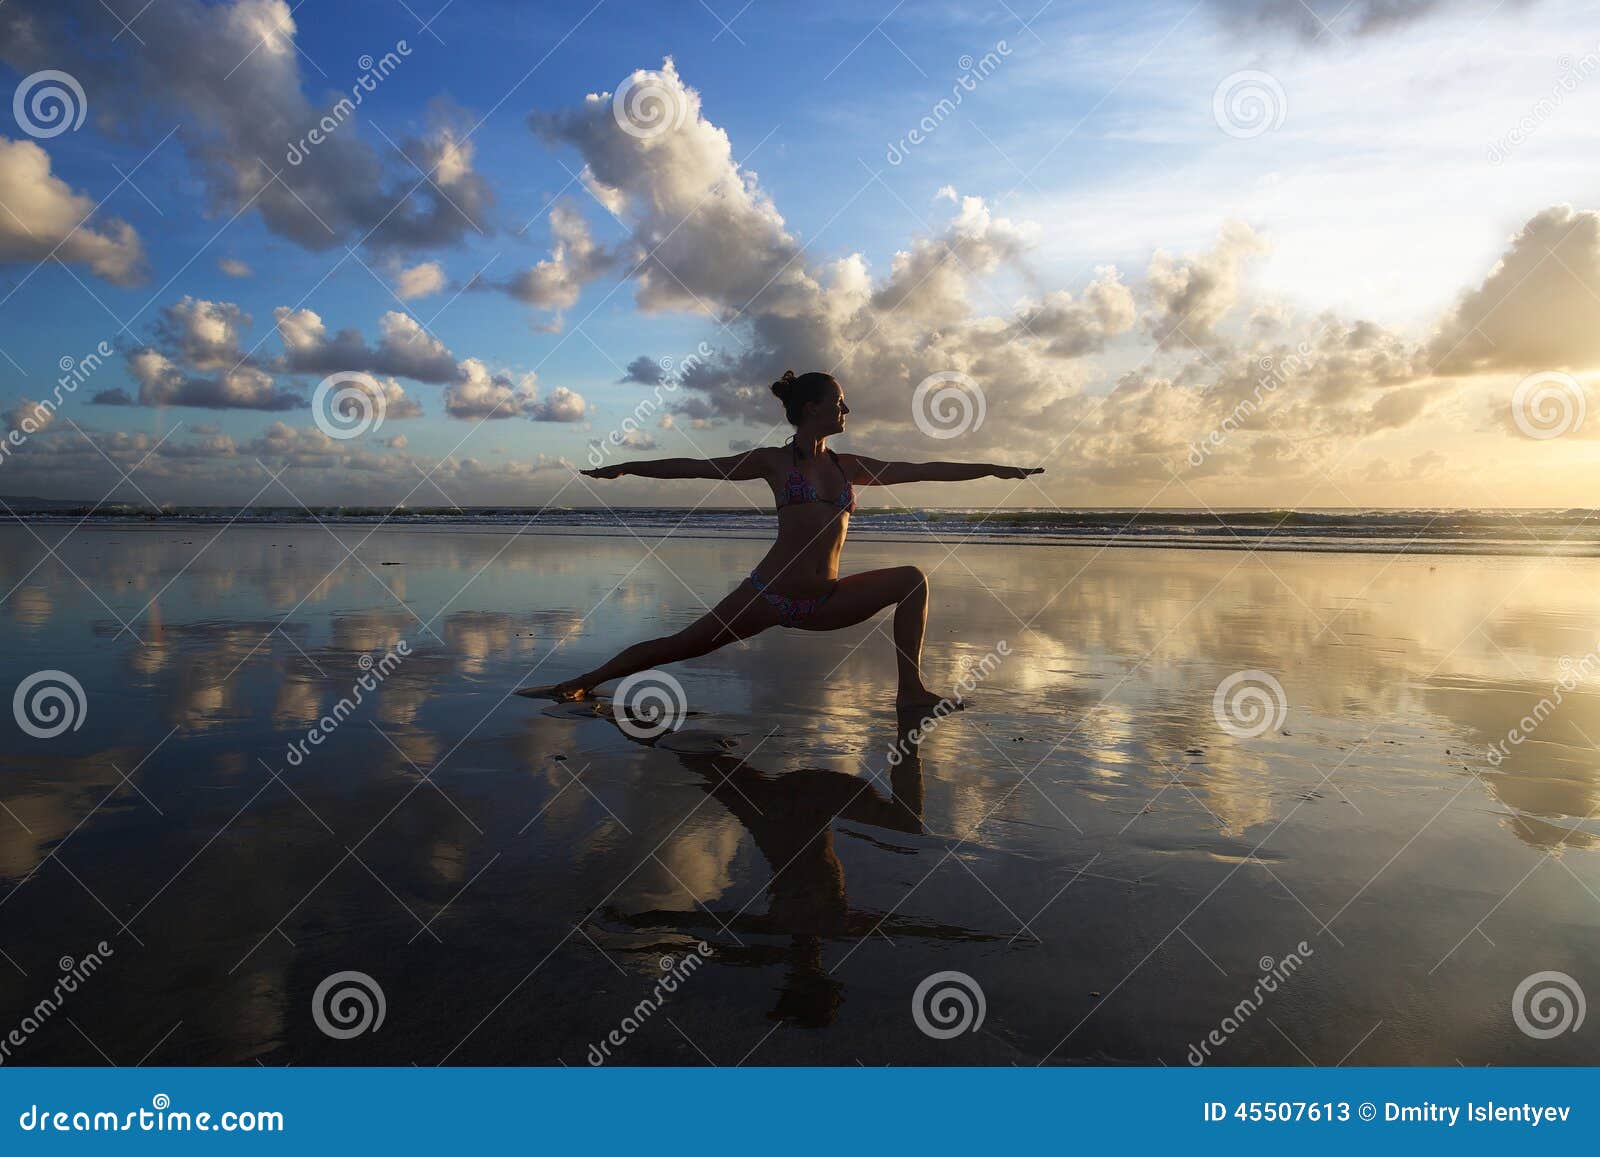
714,237
1331,21
404,348
1539,307
419,281
164,382
643,371
395,402
233,267
728,252
231,73
574,261
1190,296
116,396
44,218
483,395
1071,328
29,417
198,359
204,335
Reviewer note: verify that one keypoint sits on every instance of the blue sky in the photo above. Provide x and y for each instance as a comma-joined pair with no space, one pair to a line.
1356,221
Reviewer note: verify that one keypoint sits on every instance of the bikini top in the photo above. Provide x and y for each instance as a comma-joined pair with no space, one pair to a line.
798,488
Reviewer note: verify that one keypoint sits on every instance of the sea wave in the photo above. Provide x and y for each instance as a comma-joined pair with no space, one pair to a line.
1568,532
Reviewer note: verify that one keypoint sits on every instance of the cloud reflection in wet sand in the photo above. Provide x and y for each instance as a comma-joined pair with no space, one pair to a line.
1085,828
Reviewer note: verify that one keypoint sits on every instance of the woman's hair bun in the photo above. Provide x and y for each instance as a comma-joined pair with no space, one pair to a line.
784,385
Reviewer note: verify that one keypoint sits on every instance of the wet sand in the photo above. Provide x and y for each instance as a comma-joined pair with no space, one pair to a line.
1111,866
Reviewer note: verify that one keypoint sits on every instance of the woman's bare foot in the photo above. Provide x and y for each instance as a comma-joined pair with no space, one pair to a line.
923,698
570,690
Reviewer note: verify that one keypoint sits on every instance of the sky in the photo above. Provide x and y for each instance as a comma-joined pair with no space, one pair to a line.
1227,253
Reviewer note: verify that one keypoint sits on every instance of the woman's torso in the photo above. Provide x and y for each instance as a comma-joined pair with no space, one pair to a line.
804,561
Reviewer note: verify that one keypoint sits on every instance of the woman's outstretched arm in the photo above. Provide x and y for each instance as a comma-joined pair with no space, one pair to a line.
876,472
732,468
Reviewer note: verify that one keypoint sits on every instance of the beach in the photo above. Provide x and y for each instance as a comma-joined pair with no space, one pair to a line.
1127,867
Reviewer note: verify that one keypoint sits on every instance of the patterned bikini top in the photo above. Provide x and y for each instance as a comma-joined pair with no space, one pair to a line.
798,488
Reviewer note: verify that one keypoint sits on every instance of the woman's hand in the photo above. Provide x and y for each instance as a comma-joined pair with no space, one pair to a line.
1017,471
615,470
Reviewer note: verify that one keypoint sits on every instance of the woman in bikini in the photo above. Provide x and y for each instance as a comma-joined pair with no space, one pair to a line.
797,584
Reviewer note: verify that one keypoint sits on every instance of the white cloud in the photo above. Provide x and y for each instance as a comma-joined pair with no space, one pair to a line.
231,73
419,281
44,218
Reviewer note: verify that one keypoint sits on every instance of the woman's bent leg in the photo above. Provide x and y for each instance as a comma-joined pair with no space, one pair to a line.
860,596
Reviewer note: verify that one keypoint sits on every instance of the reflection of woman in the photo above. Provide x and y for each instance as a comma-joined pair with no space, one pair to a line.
790,817
797,584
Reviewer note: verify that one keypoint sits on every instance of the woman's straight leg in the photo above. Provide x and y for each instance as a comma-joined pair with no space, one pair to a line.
740,615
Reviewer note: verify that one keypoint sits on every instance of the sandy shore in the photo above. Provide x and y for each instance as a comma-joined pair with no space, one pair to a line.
1114,858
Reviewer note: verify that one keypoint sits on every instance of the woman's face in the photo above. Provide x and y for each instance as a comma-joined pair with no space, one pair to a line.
831,409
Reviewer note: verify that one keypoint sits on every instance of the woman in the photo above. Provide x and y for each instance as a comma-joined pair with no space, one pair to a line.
797,584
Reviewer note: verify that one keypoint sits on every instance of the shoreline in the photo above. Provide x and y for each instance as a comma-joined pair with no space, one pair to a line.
1225,539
